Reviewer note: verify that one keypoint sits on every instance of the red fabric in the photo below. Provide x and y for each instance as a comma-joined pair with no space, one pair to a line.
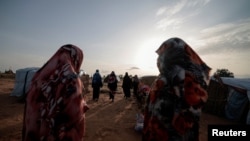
55,107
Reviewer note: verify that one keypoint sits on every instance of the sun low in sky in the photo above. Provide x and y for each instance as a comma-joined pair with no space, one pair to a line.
123,35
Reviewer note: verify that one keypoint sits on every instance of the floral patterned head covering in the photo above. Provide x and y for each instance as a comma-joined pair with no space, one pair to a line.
177,96
175,54
55,107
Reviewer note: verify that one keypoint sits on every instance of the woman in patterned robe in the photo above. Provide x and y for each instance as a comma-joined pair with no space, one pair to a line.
174,104
55,107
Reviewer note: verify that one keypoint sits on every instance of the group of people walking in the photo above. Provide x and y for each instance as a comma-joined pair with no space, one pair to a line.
174,103
97,83
128,83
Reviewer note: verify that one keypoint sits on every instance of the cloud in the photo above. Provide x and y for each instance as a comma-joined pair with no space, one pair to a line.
164,23
197,3
161,11
236,32
180,6
226,37
134,68
174,15
172,9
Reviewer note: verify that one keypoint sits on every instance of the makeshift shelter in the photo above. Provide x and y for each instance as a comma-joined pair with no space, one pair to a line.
22,81
230,98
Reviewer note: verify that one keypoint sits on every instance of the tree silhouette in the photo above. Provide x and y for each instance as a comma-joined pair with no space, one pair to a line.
224,73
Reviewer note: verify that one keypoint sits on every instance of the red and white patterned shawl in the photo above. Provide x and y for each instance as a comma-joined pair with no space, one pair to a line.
55,107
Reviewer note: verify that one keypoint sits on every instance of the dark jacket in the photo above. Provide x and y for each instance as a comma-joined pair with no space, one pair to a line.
97,80
112,82
127,82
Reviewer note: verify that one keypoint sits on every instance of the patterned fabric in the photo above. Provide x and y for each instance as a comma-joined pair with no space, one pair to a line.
176,98
112,81
55,107
112,85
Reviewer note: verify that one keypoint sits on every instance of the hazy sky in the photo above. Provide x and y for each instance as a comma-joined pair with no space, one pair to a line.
122,35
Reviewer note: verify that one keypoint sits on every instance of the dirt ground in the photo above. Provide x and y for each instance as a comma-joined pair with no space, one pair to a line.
105,121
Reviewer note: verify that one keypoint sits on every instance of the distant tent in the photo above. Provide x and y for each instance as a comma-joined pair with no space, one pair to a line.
230,98
22,81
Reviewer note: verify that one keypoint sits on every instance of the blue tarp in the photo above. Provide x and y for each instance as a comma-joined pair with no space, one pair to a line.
236,103
23,79
238,97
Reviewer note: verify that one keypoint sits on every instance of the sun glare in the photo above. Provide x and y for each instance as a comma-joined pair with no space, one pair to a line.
146,56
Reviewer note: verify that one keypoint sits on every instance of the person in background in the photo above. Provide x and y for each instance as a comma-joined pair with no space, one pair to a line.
176,98
112,85
126,85
135,84
55,106
96,85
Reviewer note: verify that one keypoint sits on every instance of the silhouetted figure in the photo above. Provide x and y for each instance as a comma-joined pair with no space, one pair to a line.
135,84
112,85
126,85
96,85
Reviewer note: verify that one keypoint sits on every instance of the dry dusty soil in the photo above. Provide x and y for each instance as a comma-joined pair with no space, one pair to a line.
105,120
